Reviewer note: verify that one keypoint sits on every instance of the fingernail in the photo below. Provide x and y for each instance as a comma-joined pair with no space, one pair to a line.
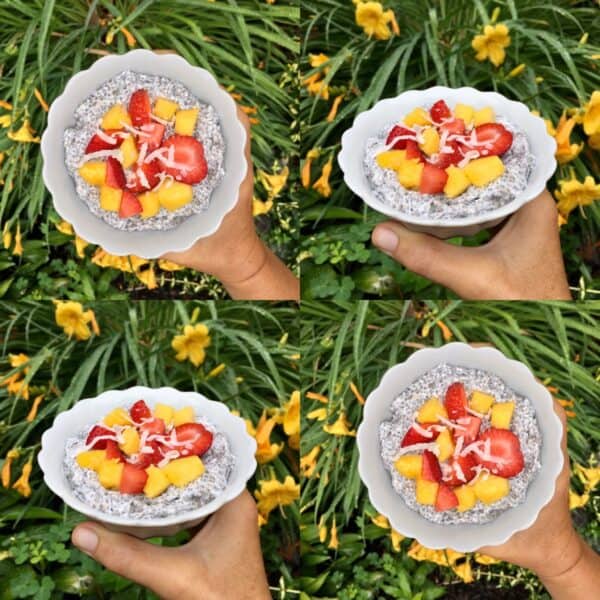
385,239
85,539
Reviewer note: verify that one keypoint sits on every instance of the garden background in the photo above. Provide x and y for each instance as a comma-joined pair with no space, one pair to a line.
355,53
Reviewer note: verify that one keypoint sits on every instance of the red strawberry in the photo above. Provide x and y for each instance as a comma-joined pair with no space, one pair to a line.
113,451
439,111
145,459
151,171
133,479
433,179
430,468
398,130
414,437
139,108
154,427
189,153
97,143
446,498
445,159
139,411
466,465
456,401
156,132
454,127
472,425
98,431
196,435
504,445
496,135
115,177
413,150
130,205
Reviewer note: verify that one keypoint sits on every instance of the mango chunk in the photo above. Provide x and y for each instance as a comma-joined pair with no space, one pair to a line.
93,172
409,465
481,402
464,112
182,471
183,415
391,159
418,116
91,459
428,413
482,171
129,152
175,195
115,117
150,204
164,412
165,109
426,491
109,474
445,445
431,141
156,483
118,416
185,121
466,497
457,182
502,413
491,488
485,115
131,441
409,173
110,198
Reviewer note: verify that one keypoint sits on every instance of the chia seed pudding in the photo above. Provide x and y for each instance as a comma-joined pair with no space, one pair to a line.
116,91
433,384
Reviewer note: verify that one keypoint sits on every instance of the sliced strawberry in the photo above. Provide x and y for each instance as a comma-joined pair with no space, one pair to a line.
113,451
472,424
445,159
497,137
189,156
433,179
130,205
413,150
197,437
155,131
454,127
139,411
439,111
154,427
139,108
466,466
446,499
151,171
456,401
505,445
430,468
414,437
145,459
115,177
133,479
396,131
98,431
97,143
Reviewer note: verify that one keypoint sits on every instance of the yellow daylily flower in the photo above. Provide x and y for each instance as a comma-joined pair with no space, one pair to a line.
577,500
65,228
322,184
74,320
305,173
80,245
464,571
322,530
265,451
147,277
591,116
590,477
291,417
334,108
167,265
5,121
273,183
18,249
565,151
340,427
594,141
314,83
217,370
6,236
131,41
396,539
22,484
5,473
356,393
380,521
484,559
24,134
6,105
333,539
40,99
190,345
517,70
490,45
273,493
15,383
375,21
320,414
259,207
574,193
34,408
445,558
308,462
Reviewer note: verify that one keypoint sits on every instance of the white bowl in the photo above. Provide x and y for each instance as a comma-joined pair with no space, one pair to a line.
368,123
468,537
89,411
147,244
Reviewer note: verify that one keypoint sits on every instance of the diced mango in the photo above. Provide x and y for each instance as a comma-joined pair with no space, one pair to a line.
445,445
409,173
156,483
485,115
118,416
164,412
391,159
426,491
481,402
409,465
109,474
428,413
129,152
502,413
115,117
457,182
93,172
90,459
183,415
466,497
182,471
110,198
185,121
150,204
165,109
491,488
464,112
131,441
482,171
431,141
175,195
418,116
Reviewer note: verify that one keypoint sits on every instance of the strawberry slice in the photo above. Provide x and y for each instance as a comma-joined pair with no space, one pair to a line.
189,156
139,108
430,468
154,427
466,466
413,150
506,446
133,479
144,459
414,437
115,177
445,159
454,127
151,171
98,431
398,130
97,143
113,451
472,425
456,401
497,137
139,411
439,111
130,205
446,499
433,179
155,131
197,437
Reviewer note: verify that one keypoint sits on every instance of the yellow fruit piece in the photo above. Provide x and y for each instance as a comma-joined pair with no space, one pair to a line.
419,116
110,198
165,109
464,112
502,413
426,491
457,182
185,121
109,473
485,115
131,441
391,159
409,465
183,415
445,444
94,172
482,171
431,141
129,152
156,483
164,412
466,497
429,412
182,471
490,489
409,173
118,416
115,117
150,204
481,402
175,196
90,459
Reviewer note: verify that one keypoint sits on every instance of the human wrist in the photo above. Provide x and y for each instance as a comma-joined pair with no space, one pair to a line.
245,265
564,561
